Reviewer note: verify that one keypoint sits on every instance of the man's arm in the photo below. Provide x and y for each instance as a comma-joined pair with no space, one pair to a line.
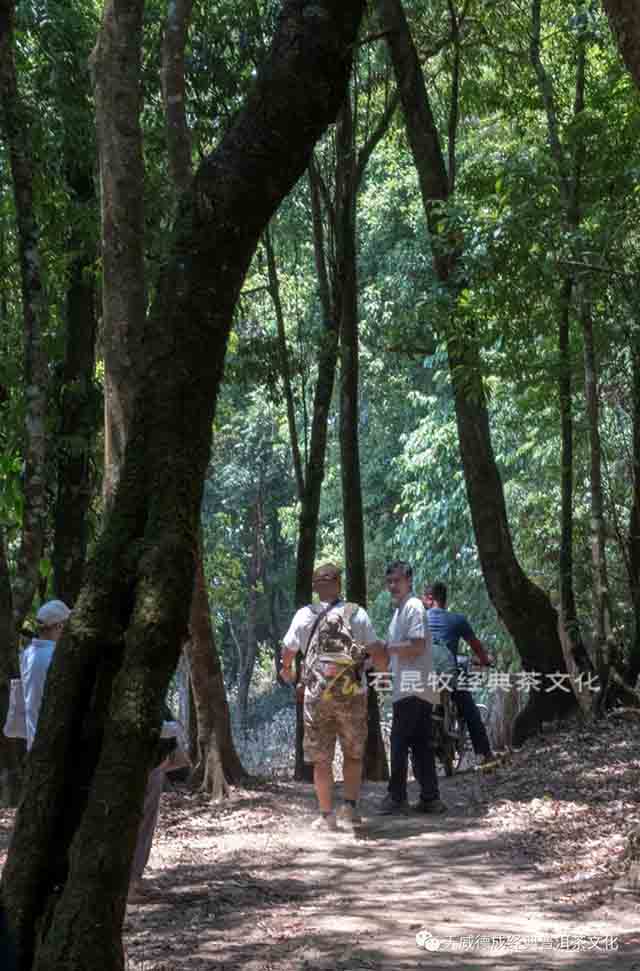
408,649
286,671
476,646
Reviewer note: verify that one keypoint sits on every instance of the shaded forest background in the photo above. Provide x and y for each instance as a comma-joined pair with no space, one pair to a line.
430,317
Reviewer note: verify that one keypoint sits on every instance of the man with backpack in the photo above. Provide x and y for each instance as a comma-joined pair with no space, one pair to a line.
332,637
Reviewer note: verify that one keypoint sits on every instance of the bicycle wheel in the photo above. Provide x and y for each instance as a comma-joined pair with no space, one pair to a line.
463,747
450,735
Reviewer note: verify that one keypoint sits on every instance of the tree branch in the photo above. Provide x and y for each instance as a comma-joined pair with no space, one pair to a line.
546,90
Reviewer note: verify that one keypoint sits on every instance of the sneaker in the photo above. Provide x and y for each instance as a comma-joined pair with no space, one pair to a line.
326,824
434,807
391,807
349,815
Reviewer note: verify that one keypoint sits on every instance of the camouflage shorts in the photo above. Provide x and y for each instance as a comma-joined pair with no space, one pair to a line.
324,719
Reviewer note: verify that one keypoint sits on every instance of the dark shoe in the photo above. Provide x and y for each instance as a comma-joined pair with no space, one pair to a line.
390,807
434,807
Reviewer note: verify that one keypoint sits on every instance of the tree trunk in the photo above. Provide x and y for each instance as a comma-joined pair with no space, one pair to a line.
118,93
314,472
283,363
327,362
15,128
346,298
75,830
254,576
173,92
523,607
79,404
633,667
624,17
218,764
601,596
576,658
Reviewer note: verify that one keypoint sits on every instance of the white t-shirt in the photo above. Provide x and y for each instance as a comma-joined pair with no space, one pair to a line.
34,664
297,637
410,675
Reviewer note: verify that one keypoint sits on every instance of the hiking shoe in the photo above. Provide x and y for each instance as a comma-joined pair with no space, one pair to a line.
391,807
325,824
434,807
350,815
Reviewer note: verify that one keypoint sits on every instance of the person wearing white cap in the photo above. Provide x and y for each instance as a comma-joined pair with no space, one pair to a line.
36,658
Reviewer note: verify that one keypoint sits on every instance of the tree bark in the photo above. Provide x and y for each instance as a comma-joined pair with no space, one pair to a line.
327,362
633,667
15,128
346,300
218,764
118,92
523,607
254,576
79,406
283,362
75,830
624,17
173,92
601,595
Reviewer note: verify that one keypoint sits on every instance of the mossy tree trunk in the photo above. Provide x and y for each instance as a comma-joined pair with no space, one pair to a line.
66,876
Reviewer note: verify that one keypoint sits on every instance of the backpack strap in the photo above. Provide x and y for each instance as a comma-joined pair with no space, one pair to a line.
316,623
349,610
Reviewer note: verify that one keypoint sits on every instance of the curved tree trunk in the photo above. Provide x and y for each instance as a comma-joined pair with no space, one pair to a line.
76,828
523,607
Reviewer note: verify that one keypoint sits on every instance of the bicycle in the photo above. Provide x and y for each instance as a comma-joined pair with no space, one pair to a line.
451,741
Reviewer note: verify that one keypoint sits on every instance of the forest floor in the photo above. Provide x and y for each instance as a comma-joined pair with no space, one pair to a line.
523,872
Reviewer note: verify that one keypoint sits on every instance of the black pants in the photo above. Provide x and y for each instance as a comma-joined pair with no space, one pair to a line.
411,731
469,712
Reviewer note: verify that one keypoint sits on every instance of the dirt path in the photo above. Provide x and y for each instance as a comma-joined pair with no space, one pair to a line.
250,886
520,874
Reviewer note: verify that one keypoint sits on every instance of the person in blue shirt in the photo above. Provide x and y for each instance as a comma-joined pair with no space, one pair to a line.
448,627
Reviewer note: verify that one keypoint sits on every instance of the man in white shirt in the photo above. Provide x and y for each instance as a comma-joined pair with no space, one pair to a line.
36,658
408,652
335,697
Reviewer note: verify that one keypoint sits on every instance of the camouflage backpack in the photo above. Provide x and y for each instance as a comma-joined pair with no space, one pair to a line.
333,660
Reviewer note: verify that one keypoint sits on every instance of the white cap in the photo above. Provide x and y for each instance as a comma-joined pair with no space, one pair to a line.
53,612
